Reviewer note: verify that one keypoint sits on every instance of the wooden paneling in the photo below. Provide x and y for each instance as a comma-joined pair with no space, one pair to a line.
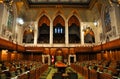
83,49
9,56
34,49
107,46
4,44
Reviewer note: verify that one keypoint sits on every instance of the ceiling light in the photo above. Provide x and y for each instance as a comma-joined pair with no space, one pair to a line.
20,21
1,1
95,23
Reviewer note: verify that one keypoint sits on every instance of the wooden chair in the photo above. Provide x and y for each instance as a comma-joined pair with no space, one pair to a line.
32,74
105,76
93,74
85,72
3,76
23,76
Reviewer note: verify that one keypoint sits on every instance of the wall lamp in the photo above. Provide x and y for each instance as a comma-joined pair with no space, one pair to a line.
95,23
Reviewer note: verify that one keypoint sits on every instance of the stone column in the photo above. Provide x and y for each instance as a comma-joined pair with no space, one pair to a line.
43,59
1,15
68,59
66,33
82,33
35,33
74,58
51,33
49,60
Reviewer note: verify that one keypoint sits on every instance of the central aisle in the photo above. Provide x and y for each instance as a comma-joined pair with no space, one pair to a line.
54,70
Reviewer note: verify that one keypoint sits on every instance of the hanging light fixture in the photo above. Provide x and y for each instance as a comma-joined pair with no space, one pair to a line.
20,21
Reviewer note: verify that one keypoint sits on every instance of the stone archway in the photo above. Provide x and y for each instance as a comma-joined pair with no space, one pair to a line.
48,59
69,59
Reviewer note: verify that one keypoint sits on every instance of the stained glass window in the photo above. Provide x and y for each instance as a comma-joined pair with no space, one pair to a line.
107,20
58,30
10,21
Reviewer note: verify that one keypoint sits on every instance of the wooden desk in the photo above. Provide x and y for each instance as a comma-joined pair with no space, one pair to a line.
60,66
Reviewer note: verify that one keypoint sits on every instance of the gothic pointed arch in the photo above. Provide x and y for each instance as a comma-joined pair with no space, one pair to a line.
58,20
44,19
58,30
89,36
28,36
74,29
43,29
73,19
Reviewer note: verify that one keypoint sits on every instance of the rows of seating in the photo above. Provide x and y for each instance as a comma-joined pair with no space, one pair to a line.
45,74
70,75
98,69
22,69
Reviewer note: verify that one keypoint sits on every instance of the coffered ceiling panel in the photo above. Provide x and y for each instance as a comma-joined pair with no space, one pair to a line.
61,3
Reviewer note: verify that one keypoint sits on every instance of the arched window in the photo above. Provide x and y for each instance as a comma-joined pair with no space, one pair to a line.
74,30
89,36
10,21
43,30
44,34
58,30
107,20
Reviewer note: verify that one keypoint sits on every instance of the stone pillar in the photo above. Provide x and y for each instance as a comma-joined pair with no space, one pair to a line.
66,33
43,59
35,33
82,33
51,33
1,15
69,60
74,58
49,60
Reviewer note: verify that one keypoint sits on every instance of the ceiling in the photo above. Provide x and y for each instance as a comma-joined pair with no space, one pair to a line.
54,3
29,10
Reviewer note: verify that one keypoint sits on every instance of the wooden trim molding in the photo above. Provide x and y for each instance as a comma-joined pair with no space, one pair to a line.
4,44
112,45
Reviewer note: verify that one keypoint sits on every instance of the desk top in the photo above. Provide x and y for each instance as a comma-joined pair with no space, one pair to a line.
60,64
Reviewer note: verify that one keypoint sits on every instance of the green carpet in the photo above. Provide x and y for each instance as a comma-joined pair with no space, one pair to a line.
54,70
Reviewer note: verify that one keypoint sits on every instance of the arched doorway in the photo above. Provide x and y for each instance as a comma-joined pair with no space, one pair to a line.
71,59
46,59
